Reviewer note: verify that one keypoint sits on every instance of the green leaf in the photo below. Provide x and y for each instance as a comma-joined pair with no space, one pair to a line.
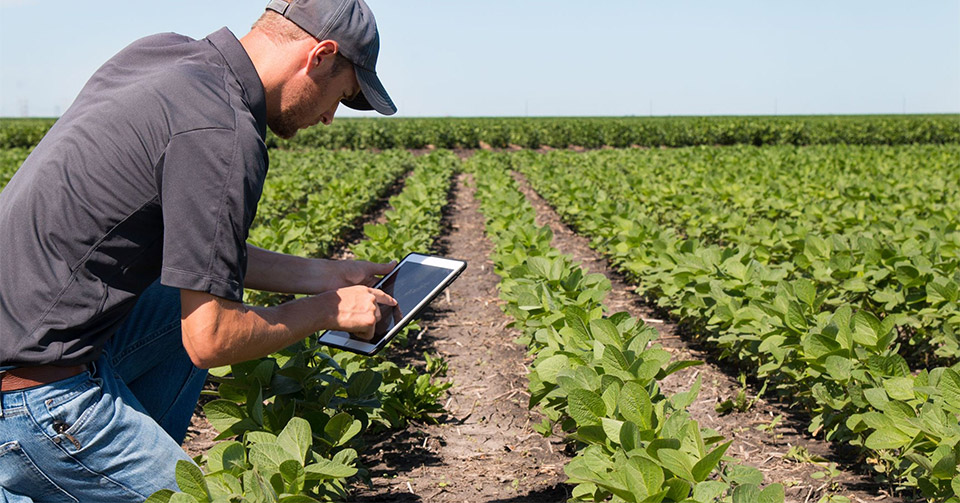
684,399
337,427
184,498
709,490
746,493
223,414
268,457
297,498
161,496
190,480
550,367
629,436
838,367
805,291
643,477
376,232
326,469
293,475
678,463
296,438
226,456
876,397
363,383
708,463
611,428
606,332
585,407
773,493
635,405
795,318
899,388
887,438
949,386
865,328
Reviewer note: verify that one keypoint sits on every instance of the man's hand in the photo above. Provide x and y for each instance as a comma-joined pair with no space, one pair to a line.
358,309
361,272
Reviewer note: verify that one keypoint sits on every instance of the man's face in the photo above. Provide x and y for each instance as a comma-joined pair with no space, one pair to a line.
312,97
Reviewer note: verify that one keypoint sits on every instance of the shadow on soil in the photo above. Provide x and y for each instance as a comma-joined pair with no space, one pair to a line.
555,494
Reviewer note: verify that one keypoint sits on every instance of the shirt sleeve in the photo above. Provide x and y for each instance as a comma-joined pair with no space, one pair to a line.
209,190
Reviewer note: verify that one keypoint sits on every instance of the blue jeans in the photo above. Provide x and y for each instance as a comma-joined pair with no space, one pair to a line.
119,426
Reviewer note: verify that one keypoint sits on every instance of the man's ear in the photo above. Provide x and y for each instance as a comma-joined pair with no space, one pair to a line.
321,54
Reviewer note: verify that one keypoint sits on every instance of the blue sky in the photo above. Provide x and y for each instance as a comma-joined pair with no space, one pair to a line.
556,58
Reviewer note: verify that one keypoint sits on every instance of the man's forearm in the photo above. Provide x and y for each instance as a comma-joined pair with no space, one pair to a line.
236,333
218,331
276,272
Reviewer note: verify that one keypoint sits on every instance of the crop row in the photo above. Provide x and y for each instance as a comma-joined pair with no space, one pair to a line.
590,132
298,414
837,360
597,376
874,227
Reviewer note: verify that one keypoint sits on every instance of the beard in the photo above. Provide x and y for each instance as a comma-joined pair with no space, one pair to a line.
298,104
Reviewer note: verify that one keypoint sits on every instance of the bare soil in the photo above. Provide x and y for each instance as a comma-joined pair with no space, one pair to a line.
483,449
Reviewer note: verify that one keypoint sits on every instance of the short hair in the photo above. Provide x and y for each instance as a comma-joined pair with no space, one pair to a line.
281,30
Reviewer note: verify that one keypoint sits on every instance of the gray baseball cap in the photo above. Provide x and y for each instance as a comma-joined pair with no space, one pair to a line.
352,25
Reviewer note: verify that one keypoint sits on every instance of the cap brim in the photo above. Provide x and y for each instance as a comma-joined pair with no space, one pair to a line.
372,94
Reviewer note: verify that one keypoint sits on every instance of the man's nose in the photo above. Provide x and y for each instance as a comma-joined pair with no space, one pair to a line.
327,116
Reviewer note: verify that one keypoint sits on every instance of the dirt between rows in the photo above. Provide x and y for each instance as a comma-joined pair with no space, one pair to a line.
484,448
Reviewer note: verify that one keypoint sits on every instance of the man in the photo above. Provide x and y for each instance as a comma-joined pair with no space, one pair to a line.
124,258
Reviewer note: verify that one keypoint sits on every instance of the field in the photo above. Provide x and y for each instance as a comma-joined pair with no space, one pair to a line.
731,309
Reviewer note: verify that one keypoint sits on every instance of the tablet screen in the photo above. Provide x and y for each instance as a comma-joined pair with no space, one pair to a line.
416,280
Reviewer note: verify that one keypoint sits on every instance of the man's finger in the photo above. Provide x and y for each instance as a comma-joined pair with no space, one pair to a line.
382,269
383,298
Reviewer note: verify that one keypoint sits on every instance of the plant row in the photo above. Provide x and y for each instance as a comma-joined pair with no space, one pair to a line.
290,424
838,361
596,377
874,227
590,132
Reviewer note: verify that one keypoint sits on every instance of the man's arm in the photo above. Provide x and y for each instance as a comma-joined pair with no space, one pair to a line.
276,272
219,332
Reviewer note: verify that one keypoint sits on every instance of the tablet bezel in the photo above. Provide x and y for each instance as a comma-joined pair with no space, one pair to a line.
454,267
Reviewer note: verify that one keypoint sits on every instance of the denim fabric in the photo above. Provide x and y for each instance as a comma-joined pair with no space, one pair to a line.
112,433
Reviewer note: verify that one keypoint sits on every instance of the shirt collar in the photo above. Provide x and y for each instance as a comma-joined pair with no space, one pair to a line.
241,66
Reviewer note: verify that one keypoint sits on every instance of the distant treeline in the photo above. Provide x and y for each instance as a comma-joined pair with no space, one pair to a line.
589,132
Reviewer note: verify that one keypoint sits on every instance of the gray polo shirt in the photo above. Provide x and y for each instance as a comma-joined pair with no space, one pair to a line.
154,171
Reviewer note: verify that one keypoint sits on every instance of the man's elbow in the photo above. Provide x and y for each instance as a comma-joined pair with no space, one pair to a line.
201,348
203,326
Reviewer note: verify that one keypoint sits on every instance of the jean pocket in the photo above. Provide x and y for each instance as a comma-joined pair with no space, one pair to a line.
20,475
70,409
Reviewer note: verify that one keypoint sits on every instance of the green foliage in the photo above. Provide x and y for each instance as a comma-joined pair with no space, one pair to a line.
799,264
596,376
10,161
590,132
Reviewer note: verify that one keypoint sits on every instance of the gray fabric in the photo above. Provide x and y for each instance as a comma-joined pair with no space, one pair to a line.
352,25
155,170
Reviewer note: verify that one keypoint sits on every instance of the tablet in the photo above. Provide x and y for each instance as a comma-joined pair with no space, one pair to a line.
414,282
